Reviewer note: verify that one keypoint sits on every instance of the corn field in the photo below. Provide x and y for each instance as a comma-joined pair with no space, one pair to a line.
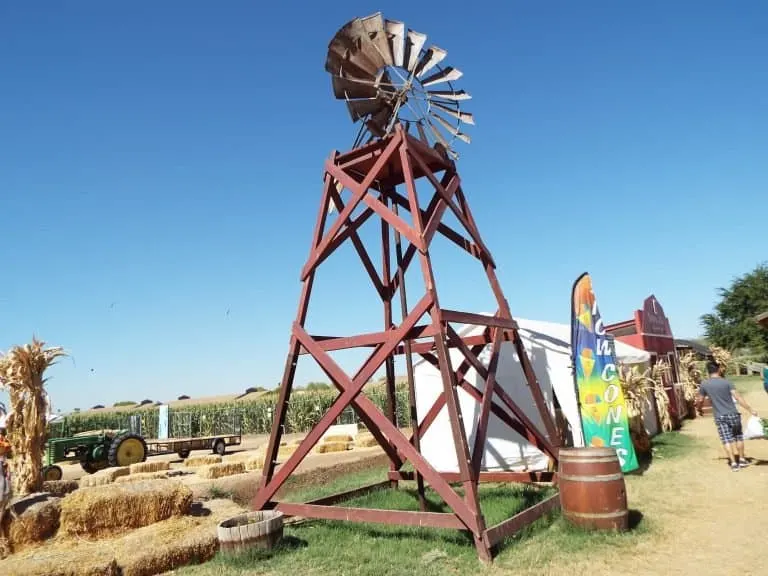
304,411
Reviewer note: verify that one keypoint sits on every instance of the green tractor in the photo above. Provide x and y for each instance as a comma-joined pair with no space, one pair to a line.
94,450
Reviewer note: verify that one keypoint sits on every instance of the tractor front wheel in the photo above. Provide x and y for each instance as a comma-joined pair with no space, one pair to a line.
52,473
127,449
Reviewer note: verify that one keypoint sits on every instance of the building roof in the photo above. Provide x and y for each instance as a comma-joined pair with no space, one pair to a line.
697,347
762,318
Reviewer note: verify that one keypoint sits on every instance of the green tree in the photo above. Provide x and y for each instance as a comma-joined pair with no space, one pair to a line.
732,325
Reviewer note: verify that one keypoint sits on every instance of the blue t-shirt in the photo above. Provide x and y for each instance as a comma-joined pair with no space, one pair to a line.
720,392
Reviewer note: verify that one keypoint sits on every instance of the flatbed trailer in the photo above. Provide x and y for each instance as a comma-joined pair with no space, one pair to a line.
183,446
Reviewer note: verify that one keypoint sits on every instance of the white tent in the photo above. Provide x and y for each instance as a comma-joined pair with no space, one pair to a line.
548,347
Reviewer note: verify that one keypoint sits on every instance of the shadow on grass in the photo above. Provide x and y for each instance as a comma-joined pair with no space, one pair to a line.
247,558
635,519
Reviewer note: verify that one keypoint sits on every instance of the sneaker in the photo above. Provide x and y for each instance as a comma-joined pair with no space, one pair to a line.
743,463
734,467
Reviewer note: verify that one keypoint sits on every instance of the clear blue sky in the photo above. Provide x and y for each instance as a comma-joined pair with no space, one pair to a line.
160,164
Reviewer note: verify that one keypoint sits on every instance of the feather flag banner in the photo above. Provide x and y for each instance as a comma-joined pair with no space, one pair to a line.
603,410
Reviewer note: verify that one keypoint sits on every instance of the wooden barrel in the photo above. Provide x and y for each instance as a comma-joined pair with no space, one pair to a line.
263,529
592,490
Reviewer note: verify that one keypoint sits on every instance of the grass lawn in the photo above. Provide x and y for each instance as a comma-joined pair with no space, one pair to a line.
662,496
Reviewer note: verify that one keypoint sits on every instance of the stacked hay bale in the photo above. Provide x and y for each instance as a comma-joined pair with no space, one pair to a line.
31,519
213,471
142,476
103,477
175,542
153,466
110,509
365,440
60,488
197,461
334,443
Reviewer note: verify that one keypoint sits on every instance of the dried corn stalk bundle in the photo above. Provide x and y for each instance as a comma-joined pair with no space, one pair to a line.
659,372
691,376
21,373
722,357
636,386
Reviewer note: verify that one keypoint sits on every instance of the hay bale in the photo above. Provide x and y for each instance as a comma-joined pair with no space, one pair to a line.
141,476
337,438
241,456
110,509
60,487
84,561
366,441
174,543
202,460
254,463
220,470
328,447
103,477
154,466
30,520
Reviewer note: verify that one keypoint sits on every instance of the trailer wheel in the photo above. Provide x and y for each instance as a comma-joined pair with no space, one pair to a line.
183,453
127,449
219,447
52,473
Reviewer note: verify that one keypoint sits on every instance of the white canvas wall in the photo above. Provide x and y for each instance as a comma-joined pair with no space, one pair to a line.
548,347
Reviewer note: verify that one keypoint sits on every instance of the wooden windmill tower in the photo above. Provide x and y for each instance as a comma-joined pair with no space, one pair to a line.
403,164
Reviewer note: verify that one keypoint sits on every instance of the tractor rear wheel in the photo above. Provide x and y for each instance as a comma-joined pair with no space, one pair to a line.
127,449
52,472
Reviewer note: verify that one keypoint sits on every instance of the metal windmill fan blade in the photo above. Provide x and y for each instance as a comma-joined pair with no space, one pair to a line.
439,137
377,34
396,34
348,88
465,117
432,57
449,94
361,108
450,128
413,44
352,50
448,74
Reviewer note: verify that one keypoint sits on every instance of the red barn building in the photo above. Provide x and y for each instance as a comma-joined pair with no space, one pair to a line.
649,330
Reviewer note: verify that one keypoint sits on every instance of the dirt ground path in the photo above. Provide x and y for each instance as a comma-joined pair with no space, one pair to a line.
711,521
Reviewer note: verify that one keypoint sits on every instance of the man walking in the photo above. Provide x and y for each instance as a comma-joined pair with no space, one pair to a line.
722,393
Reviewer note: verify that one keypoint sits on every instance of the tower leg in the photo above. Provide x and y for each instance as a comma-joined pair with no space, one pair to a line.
468,477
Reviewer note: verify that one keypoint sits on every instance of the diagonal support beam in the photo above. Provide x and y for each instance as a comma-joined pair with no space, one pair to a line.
359,191
359,247
351,390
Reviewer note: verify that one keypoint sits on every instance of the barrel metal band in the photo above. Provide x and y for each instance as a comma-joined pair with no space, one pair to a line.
603,478
598,514
587,460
